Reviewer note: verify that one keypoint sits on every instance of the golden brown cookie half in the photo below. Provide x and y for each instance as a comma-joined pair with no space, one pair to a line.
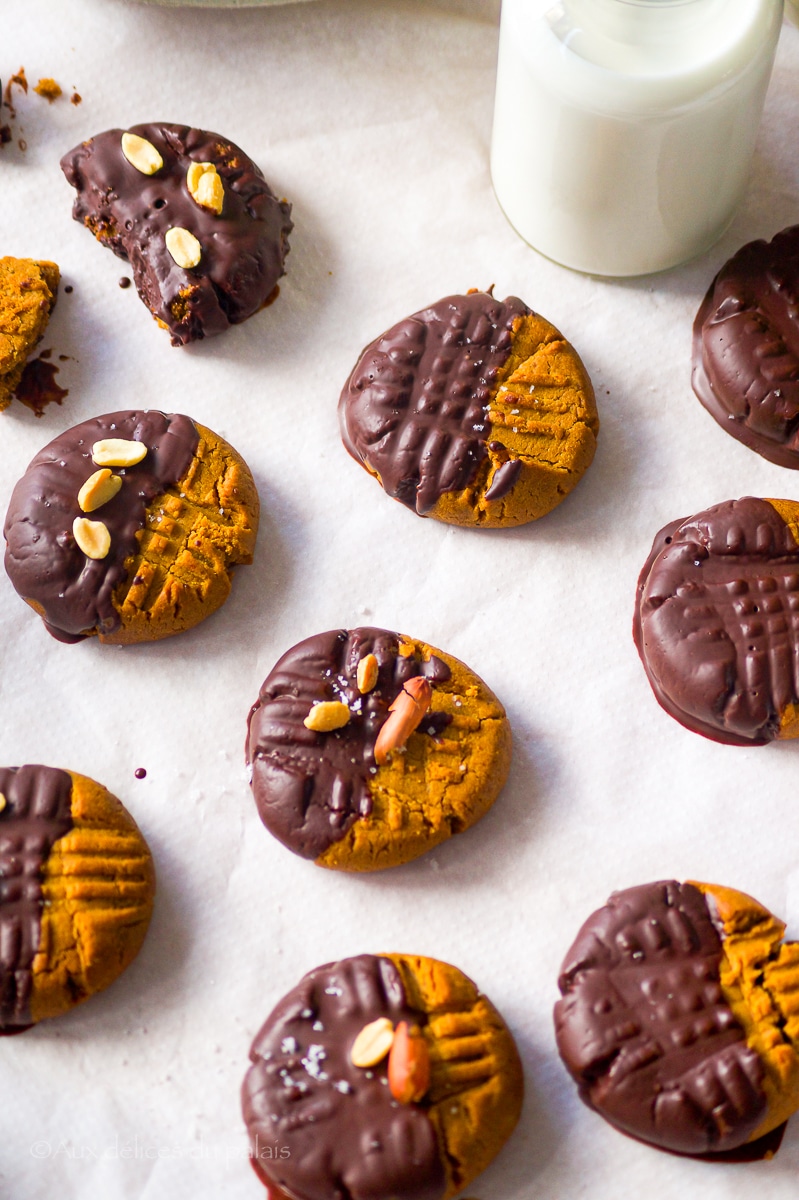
680,1016
369,748
27,297
475,411
76,892
128,526
383,1076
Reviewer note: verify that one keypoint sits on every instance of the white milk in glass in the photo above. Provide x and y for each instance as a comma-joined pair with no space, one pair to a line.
624,129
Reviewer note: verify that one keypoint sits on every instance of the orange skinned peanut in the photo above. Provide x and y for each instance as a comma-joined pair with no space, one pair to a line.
405,714
408,1065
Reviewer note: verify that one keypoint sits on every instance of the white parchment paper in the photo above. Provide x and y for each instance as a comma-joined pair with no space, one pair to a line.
374,119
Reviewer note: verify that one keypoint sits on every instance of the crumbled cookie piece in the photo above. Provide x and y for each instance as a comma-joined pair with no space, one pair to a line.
27,297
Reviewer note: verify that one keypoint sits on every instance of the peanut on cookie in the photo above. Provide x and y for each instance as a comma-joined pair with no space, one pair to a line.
475,411
128,527
418,1118
368,748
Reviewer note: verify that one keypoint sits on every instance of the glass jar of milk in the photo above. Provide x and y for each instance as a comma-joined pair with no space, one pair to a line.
624,129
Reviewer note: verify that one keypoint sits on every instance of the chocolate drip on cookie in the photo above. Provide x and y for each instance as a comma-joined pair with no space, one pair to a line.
45,564
132,210
645,1029
717,621
311,787
320,1126
35,813
746,348
415,408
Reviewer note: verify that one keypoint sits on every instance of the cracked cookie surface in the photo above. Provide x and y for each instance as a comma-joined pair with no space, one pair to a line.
76,892
474,411
324,793
140,189
179,521
339,1126
28,292
679,1013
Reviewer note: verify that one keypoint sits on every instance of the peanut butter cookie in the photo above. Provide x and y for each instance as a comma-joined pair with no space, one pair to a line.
27,297
679,1018
368,748
746,348
203,231
128,526
475,411
76,892
385,1077
716,620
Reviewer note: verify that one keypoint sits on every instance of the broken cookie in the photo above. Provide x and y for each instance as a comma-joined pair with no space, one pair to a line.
27,297
204,233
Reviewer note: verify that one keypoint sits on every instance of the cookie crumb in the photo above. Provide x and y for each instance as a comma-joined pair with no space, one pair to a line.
17,80
75,98
48,89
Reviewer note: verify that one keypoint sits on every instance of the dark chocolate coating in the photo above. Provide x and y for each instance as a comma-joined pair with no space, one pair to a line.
345,1137
644,1027
746,348
717,621
43,561
311,787
414,410
243,248
37,813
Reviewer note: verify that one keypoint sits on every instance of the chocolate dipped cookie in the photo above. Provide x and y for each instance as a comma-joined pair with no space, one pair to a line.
381,1077
204,233
368,748
475,411
28,291
128,526
679,1019
717,621
76,892
746,348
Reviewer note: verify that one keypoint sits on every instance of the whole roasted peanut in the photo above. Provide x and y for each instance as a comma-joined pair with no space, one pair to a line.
408,1065
405,714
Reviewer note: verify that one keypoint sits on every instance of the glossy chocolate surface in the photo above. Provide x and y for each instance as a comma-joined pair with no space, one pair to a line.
243,248
644,1027
414,410
717,621
311,787
320,1127
746,348
36,814
43,560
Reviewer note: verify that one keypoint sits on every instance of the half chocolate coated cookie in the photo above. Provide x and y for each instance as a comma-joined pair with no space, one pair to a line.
76,892
368,748
746,348
475,411
717,620
678,1019
127,527
380,1077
